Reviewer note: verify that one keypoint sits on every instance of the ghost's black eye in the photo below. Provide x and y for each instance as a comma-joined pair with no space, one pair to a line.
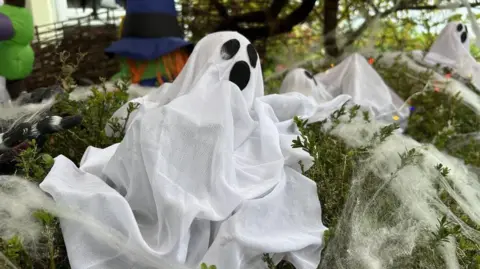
229,49
466,29
459,27
252,55
463,37
310,76
240,74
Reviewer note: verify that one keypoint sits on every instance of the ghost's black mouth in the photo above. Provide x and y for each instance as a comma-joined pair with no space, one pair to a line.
240,73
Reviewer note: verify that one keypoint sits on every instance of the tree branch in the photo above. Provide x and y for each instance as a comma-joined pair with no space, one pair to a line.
330,20
222,10
272,25
276,7
402,6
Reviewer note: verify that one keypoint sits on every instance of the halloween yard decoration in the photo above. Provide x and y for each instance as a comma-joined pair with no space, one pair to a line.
451,52
15,134
302,81
354,76
452,49
452,46
20,122
223,150
150,55
16,54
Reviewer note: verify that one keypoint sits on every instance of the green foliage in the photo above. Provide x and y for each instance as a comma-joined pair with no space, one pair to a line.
14,251
34,164
328,151
96,111
333,181
205,266
436,117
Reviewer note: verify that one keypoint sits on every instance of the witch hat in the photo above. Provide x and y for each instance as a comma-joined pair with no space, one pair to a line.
150,30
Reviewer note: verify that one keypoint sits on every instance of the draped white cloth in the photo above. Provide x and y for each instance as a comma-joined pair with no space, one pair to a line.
302,81
355,77
452,49
452,46
205,172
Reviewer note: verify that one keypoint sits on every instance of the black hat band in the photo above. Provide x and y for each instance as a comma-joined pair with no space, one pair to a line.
151,25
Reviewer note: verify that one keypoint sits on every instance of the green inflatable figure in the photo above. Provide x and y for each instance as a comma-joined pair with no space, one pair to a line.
16,54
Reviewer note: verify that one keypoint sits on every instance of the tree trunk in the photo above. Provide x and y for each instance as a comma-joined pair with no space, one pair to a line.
330,21
271,24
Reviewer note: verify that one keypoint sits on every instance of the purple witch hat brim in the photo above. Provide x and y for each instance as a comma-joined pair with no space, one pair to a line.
146,48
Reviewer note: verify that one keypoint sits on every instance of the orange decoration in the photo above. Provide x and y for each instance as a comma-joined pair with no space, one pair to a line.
371,61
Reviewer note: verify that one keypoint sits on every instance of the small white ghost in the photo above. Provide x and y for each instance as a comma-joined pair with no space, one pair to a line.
302,81
452,47
355,77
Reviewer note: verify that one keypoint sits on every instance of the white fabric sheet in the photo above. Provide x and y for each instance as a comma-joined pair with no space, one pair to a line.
452,49
354,76
206,173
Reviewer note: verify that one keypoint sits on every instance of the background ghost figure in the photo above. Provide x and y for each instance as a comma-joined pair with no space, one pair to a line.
354,76
302,81
452,49
452,46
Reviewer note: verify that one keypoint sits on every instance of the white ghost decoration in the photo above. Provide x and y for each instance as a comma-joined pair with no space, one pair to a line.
302,81
244,72
355,77
452,47
207,174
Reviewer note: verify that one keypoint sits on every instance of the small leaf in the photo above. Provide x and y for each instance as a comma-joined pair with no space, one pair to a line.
47,159
456,17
